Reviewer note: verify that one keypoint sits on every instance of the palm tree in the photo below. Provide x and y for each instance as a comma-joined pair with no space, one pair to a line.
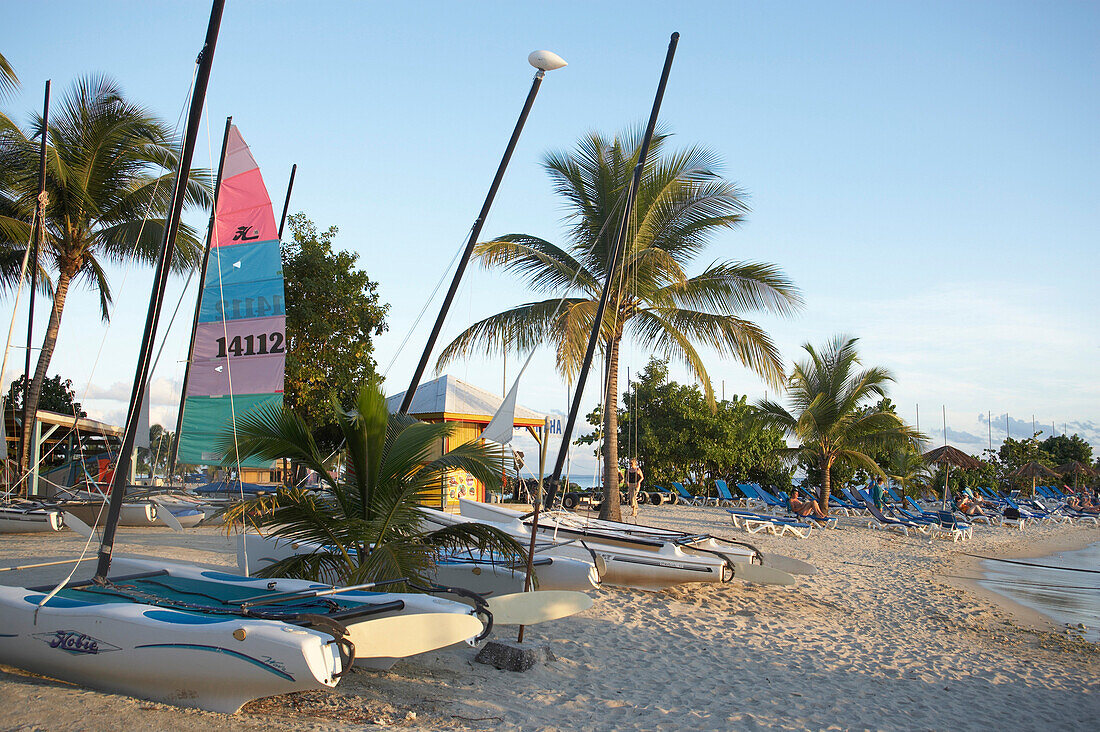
682,203
907,468
9,82
109,171
368,525
830,418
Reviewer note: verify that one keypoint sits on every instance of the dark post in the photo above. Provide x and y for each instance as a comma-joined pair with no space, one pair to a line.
156,297
475,232
39,233
286,203
198,300
578,394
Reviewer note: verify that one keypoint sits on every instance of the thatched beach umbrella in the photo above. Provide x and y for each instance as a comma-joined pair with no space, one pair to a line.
1076,468
949,456
1033,470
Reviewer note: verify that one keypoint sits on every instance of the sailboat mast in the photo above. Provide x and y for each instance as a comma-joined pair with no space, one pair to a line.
286,201
156,297
593,338
475,232
171,466
39,232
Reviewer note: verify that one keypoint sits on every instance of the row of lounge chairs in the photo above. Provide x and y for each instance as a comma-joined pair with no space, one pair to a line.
759,510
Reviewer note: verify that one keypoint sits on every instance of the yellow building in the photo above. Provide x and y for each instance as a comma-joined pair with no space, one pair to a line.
470,408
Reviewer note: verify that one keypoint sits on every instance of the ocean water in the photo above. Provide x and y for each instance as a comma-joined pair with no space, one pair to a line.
1064,596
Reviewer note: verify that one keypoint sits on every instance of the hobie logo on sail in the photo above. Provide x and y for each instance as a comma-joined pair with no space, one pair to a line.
75,642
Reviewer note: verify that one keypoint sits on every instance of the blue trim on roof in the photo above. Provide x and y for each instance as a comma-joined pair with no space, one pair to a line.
216,649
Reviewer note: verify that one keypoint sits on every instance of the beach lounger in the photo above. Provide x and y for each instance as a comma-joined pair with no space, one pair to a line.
880,520
893,496
949,525
725,496
755,497
690,499
854,500
756,522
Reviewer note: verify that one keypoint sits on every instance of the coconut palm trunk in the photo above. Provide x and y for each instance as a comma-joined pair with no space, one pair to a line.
826,484
611,508
34,392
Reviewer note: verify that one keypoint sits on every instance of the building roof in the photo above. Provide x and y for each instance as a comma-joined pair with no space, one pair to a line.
452,399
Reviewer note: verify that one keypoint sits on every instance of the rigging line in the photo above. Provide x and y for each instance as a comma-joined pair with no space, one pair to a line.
225,334
1031,564
428,302
18,294
114,305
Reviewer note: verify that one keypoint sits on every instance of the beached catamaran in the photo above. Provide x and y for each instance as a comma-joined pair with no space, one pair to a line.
195,637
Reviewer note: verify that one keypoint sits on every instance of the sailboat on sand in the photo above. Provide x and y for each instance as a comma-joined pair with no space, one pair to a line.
196,637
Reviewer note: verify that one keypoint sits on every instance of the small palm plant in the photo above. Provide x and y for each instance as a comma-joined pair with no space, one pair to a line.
368,526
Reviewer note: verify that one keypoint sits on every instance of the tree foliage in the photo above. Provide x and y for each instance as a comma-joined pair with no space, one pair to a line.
332,313
57,396
676,435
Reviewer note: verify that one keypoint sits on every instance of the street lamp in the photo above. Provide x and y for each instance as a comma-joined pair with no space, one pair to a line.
543,61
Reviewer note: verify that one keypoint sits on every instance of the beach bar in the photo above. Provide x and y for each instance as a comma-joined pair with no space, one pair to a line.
448,399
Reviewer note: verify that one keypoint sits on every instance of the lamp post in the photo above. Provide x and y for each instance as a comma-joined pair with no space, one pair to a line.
543,61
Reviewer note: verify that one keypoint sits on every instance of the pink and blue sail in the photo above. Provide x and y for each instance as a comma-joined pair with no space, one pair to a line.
239,349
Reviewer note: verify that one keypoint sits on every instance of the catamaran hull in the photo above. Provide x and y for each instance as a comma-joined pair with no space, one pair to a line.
133,514
483,577
19,520
698,545
655,568
412,603
163,655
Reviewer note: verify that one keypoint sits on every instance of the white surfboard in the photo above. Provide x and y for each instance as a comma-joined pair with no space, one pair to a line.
788,564
406,635
760,574
529,608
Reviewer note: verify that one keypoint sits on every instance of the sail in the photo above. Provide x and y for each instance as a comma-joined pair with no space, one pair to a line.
238,350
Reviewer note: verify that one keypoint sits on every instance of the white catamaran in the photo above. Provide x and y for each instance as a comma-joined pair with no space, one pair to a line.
197,637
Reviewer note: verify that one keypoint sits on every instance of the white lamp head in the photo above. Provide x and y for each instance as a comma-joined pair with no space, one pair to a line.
546,60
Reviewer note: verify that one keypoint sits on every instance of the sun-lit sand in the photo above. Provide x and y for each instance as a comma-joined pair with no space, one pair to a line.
891,634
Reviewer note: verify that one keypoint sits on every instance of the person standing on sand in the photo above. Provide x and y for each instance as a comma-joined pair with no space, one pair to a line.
878,493
634,480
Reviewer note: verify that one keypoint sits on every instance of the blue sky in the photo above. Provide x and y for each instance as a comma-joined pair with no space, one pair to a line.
926,173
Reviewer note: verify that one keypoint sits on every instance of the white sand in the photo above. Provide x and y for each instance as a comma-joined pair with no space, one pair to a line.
891,634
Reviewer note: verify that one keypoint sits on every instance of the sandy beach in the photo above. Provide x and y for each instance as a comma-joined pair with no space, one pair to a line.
892,633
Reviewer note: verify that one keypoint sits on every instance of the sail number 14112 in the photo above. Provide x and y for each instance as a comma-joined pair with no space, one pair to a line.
251,345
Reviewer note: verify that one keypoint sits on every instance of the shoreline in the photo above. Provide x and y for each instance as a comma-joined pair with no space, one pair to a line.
1041,547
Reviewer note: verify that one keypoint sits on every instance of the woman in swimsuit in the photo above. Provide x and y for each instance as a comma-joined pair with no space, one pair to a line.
807,507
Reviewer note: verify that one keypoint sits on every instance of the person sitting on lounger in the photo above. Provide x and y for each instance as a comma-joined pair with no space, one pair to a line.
807,507
1082,503
967,505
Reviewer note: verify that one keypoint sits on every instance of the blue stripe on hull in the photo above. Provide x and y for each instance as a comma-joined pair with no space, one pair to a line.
216,649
